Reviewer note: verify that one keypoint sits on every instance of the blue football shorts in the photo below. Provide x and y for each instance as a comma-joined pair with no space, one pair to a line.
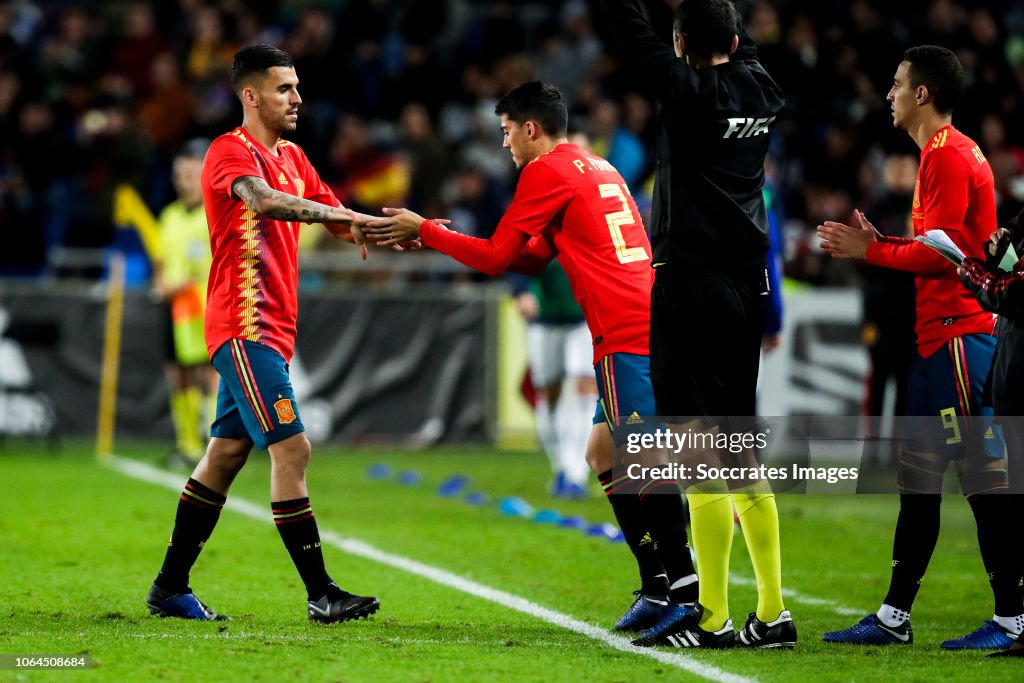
255,399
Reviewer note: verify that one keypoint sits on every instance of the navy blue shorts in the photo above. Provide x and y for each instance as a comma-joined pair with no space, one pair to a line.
255,399
625,397
949,386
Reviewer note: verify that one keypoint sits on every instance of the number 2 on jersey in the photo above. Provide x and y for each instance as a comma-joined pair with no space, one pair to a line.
616,219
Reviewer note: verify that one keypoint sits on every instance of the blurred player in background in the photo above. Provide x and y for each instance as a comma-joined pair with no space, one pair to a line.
257,190
954,193
710,233
558,348
771,328
575,206
887,310
182,278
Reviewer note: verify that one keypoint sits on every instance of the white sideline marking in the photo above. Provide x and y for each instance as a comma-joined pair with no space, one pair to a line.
147,473
832,605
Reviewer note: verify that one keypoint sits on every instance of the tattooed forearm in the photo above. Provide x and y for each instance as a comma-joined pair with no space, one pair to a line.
266,201
251,190
289,208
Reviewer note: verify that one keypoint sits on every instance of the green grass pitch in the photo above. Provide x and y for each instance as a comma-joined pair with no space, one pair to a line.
80,543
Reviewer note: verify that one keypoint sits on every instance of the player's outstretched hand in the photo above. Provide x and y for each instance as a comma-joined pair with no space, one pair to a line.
359,239
417,244
347,228
843,241
398,226
361,219
411,245
861,222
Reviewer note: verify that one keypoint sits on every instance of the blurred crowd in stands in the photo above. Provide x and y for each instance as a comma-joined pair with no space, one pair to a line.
95,97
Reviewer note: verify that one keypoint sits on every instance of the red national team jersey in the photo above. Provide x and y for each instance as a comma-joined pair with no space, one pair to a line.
954,193
254,277
575,205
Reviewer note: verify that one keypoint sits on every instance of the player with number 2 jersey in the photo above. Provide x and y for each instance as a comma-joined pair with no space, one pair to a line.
575,206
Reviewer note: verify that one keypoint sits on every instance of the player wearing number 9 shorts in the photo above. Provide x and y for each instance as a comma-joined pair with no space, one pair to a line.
946,419
572,205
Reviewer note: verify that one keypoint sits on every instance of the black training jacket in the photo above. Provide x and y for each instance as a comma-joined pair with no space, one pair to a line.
713,136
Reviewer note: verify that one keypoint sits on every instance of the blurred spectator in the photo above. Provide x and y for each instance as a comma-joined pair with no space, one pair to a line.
835,160
1007,161
566,59
166,113
211,53
428,158
496,32
138,46
36,147
636,117
474,203
764,26
944,22
617,144
364,175
317,56
468,124
10,91
106,196
15,36
73,53
887,319
1009,182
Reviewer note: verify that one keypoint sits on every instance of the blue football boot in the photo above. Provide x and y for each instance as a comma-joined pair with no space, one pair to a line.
991,636
871,631
180,605
643,613
679,627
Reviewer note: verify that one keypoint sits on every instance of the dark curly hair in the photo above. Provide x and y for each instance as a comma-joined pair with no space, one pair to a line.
536,101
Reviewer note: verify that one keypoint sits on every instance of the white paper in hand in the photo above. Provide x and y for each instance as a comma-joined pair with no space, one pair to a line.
940,242
1009,259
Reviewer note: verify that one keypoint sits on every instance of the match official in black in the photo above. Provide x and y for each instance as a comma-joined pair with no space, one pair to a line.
709,231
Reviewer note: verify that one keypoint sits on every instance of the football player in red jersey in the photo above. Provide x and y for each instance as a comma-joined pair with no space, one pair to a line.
572,205
954,193
257,189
